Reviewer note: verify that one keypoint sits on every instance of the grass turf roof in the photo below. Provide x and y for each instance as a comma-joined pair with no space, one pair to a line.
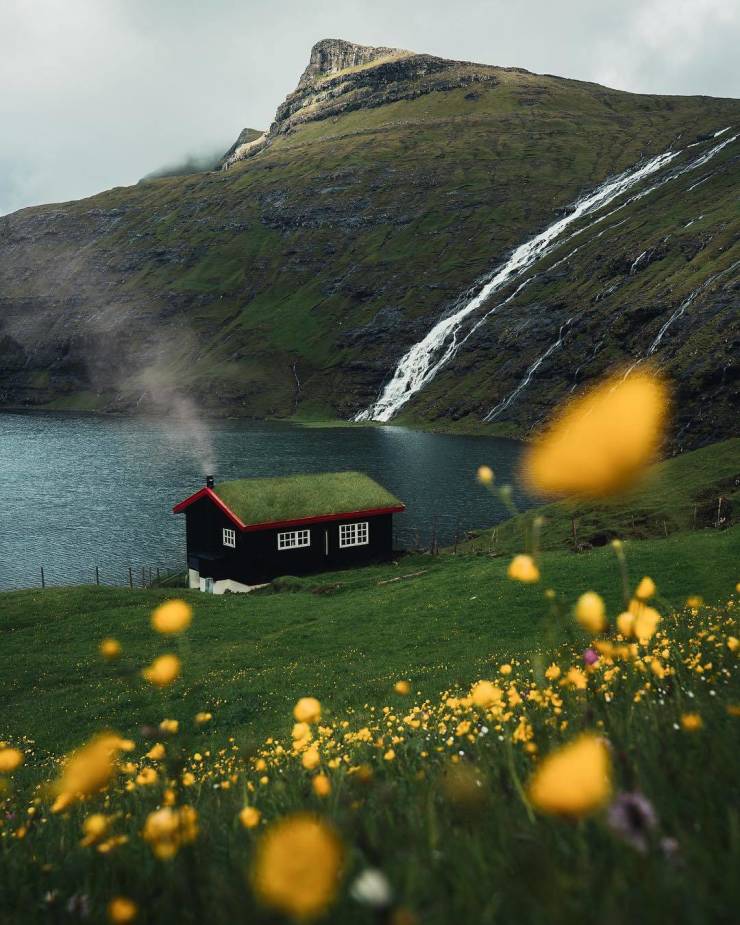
256,501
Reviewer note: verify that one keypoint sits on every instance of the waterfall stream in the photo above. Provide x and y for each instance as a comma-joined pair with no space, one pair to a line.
421,363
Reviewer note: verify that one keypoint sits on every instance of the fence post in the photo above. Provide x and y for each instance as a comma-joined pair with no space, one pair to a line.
43,582
575,533
97,576
130,578
457,533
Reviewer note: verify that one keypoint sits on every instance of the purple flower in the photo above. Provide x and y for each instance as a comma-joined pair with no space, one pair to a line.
632,818
590,656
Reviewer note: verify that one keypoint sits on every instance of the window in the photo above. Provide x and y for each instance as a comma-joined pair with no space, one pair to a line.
293,539
354,534
229,537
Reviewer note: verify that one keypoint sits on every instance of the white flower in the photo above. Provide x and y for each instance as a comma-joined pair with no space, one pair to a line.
371,888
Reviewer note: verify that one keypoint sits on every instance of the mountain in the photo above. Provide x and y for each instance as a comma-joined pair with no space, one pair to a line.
413,239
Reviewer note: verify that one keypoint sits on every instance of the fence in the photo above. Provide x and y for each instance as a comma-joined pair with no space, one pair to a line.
135,577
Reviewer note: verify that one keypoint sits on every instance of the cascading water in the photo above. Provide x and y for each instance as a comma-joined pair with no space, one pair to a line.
685,304
423,360
502,405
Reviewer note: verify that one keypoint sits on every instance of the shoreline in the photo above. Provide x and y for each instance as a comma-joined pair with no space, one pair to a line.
443,428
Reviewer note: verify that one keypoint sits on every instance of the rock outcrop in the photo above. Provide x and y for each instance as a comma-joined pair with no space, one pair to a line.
342,77
330,56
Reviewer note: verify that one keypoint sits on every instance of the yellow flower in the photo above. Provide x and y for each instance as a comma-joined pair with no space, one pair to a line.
574,780
645,590
733,643
156,752
307,710
321,785
163,670
390,755
170,726
599,443
658,669
250,817
188,779
626,623
311,759
553,672
485,694
88,770
505,669
168,829
646,621
122,911
10,759
110,648
590,612
147,777
402,687
575,678
95,828
297,865
523,568
172,617
691,722
485,475
202,718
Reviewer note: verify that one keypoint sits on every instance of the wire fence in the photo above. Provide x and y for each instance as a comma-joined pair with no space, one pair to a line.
443,533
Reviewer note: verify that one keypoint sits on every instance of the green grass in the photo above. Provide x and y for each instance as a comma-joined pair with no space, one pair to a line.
343,637
677,495
446,820
295,497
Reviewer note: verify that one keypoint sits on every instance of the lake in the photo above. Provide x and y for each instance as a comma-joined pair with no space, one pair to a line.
80,491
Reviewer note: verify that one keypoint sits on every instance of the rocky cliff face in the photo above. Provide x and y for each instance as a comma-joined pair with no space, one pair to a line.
330,56
295,281
342,77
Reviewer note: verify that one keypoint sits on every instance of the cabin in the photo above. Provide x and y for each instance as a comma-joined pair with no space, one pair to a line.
246,532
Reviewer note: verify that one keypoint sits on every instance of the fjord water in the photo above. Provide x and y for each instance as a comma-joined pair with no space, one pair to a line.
80,491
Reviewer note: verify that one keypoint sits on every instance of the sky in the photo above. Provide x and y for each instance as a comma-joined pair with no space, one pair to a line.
97,93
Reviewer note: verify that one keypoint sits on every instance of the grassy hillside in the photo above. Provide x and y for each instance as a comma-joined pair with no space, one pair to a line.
343,637
679,494
292,283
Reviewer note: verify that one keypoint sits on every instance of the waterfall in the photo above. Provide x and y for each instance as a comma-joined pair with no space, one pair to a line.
502,405
685,304
421,363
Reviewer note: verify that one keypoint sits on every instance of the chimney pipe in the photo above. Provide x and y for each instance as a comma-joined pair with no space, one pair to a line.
209,481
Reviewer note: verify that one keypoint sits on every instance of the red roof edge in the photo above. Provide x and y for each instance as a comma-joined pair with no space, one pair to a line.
268,525
209,493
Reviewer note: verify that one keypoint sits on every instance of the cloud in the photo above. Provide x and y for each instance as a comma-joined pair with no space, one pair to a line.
98,93
661,42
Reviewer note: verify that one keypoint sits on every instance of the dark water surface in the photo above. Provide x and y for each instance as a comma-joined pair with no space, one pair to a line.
79,491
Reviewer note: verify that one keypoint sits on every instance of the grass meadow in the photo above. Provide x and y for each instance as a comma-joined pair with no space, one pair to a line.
460,738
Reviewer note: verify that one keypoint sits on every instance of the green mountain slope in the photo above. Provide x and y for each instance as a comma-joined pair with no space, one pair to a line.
389,184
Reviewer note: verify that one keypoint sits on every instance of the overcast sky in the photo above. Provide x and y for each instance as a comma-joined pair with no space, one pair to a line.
97,93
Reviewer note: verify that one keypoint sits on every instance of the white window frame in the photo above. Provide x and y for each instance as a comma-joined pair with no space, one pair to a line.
293,539
354,534
229,537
